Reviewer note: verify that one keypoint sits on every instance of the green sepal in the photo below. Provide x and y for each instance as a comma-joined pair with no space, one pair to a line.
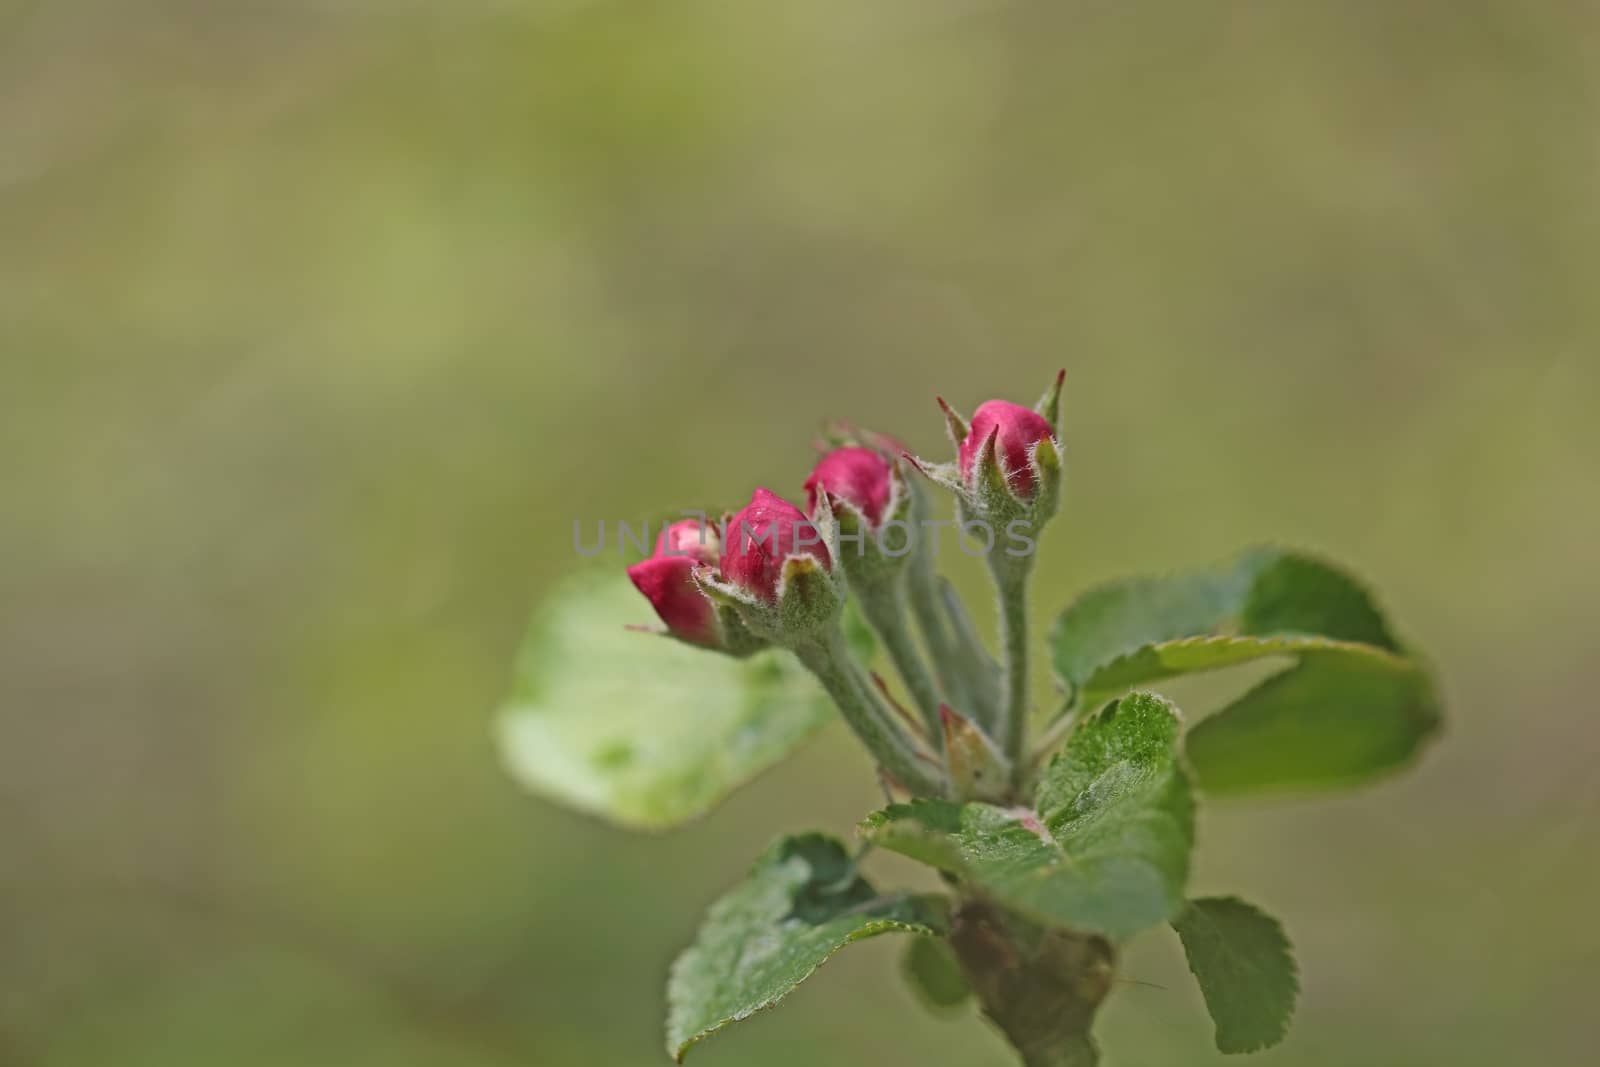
1047,459
944,475
954,424
723,593
809,600
975,766
991,493
1049,404
737,640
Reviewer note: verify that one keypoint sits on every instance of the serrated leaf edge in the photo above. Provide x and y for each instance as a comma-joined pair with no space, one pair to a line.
1286,954
873,929
900,818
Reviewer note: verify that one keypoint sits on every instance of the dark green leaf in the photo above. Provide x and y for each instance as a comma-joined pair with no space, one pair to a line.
1245,968
933,973
638,728
801,903
1353,704
1106,852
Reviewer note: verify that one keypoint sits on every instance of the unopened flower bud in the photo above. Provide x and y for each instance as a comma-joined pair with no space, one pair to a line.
762,538
691,538
858,477
1017,432
667,580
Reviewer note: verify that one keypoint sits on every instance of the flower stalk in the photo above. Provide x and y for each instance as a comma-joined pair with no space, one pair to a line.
965,673
864,492
868,715
884,610
1011,727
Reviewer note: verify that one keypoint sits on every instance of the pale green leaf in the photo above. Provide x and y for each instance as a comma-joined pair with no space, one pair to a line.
636,727
1107,849
802,902
1245,966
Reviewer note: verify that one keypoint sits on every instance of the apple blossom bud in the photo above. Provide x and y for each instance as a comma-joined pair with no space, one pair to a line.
762,538
690,539
667,581
858,477
1016,430
673,581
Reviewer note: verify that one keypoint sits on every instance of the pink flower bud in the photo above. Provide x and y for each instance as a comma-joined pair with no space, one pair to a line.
690,538
761,537
859,476
667,580
1019,429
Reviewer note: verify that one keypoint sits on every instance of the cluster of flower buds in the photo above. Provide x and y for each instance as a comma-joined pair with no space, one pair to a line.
774,575
1008,460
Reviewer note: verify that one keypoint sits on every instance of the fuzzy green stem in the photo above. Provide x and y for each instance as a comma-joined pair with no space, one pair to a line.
872,721
957,664
923,595
965,671
886,615
981,671
1011,582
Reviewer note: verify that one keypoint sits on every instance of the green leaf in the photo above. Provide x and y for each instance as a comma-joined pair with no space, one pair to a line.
1337,718
934,975
1097,642
1352,705
1245,967
801,903
1117,619
1106,852
638,728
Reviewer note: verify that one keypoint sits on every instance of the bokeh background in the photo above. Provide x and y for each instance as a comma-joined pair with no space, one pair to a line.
321,320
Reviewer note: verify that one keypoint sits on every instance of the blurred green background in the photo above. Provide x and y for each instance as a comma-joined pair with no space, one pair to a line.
323,319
